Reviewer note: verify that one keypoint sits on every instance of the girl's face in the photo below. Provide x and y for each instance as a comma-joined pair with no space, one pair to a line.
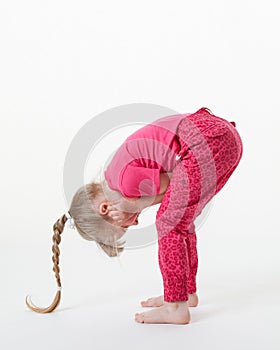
118,217
127,219
124,221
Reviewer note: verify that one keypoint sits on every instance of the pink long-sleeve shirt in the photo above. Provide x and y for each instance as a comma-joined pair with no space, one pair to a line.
135,168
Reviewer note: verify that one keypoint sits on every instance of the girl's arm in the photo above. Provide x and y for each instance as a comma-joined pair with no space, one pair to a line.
164,182
138,204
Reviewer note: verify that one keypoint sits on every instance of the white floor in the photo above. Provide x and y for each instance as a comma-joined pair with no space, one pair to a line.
238,286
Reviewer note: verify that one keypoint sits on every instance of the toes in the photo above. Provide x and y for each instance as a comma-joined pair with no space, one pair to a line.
144,303
148,302
139,318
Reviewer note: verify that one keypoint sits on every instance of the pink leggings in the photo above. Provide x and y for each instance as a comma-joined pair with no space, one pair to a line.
211,149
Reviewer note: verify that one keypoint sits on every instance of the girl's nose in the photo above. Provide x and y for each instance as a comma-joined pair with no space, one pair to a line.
135,222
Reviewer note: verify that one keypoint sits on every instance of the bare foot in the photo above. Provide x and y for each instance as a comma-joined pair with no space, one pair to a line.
159,301
153,302
193,300
175,313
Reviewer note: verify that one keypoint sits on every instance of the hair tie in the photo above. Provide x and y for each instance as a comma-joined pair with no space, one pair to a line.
59,288
70,221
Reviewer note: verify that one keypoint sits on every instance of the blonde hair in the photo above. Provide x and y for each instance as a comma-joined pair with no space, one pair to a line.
91,226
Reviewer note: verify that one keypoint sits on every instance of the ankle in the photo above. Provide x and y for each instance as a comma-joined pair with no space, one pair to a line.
176,304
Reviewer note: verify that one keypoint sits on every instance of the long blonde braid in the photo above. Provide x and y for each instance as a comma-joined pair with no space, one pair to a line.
58,228
91,226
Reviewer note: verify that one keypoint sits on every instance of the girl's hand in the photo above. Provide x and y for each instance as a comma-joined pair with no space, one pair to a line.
128,205
115,214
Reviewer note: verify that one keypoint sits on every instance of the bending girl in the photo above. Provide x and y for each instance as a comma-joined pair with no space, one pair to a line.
180,161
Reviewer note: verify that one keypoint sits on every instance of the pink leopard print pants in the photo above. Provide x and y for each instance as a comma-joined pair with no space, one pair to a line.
211,149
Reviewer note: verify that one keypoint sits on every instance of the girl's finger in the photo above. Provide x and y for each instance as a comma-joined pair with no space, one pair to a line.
115,215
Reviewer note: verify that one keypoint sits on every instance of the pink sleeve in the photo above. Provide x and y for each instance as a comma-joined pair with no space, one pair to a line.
137,181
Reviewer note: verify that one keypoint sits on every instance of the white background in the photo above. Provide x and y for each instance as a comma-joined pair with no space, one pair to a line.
62,62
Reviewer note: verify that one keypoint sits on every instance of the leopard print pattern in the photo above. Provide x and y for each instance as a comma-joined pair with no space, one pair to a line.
211,149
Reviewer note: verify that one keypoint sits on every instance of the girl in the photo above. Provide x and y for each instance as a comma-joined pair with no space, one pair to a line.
180,161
